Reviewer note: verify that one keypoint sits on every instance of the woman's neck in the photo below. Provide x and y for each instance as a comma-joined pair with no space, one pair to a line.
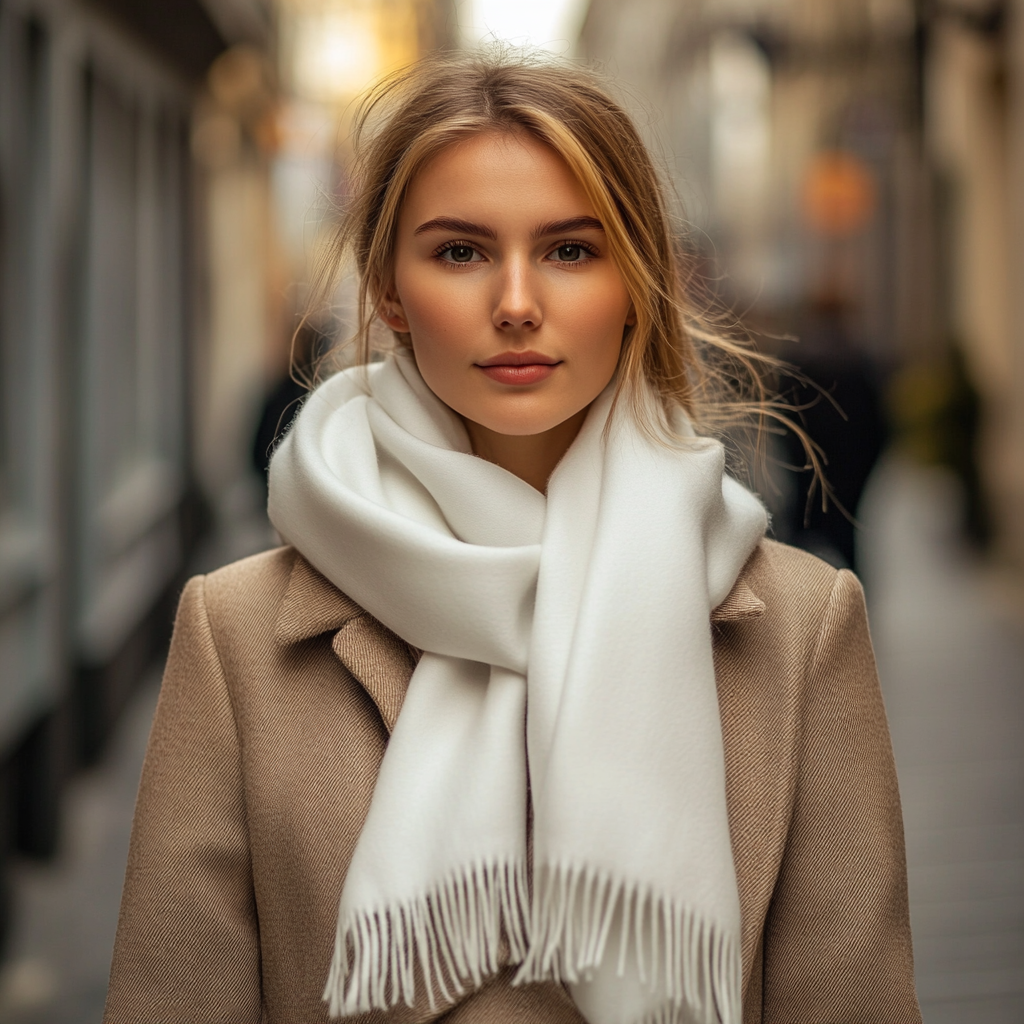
531,457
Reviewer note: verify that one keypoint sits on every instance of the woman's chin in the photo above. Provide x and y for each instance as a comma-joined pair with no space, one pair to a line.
522,426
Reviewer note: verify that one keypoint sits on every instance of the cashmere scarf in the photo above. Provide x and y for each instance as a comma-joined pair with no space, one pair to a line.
566,664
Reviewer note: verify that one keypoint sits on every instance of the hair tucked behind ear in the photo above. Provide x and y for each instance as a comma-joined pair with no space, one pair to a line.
682,351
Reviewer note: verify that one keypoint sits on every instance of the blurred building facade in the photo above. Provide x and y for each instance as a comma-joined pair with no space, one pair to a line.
330,51
166,171
168,167
864,153
109,305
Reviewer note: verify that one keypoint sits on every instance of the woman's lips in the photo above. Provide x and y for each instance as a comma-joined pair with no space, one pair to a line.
518,367
531,373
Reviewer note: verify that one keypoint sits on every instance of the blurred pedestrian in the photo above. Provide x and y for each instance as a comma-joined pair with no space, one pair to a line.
287,392
840,403
937,410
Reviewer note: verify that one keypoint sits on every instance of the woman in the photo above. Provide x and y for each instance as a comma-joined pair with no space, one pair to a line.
528,723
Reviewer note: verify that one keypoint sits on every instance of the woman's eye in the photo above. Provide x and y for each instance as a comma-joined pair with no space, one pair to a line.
570,253
459,254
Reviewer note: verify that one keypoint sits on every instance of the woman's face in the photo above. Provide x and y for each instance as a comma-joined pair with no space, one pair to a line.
505,284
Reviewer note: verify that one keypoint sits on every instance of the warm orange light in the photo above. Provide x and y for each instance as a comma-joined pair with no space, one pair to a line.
840,194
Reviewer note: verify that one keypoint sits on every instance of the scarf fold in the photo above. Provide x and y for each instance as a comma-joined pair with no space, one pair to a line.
566,641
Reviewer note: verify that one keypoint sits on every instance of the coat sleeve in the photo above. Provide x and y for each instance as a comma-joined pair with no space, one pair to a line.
837,944
187,944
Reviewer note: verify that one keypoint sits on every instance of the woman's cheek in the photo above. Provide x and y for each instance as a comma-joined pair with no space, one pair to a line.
441,319
599,319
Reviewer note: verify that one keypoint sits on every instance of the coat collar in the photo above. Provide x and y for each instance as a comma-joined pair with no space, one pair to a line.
378,659
740,603
311,605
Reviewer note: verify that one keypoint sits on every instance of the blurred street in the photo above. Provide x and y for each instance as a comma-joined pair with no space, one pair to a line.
951,657
847,183
65,913
951,651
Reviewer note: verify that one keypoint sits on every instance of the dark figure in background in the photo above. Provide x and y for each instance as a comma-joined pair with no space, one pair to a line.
279,409
958,426
937,412
286,395
852,439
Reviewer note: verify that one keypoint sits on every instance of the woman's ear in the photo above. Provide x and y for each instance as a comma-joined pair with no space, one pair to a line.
631,316
390,311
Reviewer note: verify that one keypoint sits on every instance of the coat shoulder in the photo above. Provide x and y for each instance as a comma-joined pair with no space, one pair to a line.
251,588
242,601
791,582
773,651
273,599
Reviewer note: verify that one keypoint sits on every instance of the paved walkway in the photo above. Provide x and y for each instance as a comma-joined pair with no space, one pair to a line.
950,649
60,956
952,665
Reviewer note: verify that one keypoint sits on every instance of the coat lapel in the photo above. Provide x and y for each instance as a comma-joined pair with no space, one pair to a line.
740,603
378,660
381,662
311,606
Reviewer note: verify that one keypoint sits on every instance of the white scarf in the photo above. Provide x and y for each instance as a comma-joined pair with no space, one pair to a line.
567,660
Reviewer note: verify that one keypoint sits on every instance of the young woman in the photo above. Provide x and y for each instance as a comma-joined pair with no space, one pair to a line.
528,722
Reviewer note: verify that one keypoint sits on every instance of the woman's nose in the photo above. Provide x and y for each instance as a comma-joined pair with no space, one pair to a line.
517,304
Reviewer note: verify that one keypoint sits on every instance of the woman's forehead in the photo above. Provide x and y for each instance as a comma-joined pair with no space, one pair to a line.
495,179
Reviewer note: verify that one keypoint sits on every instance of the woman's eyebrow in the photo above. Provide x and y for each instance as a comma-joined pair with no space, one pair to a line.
464,227
559,227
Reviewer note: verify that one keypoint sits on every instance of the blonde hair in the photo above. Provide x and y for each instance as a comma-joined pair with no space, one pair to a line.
682,352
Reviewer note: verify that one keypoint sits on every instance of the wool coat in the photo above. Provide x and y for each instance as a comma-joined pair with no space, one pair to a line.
278,699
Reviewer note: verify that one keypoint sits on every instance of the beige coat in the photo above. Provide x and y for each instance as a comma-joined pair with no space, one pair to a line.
275,711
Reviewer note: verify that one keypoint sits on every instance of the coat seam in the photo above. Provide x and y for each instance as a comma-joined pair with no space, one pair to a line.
819,643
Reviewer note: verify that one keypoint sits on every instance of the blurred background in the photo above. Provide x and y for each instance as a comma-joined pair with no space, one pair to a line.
851,178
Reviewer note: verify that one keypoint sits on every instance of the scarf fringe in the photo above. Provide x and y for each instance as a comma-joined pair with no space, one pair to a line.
452,934
697,965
